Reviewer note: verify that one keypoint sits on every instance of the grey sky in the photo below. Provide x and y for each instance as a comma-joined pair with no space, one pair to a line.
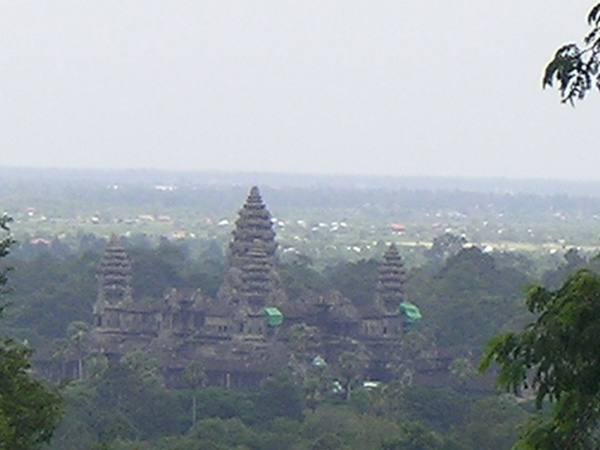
360,87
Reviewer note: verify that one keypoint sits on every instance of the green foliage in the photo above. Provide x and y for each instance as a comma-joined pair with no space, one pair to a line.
145,367
471,272
194,375
299,278
304,339
29,412
132,401
392,416
439,408
5,243
469,299
351,367
223,434
342,426
558,356
414,436
155,270
225,404
50,293
355,280
125,402
280,397
491,422
553,279
574,68
443,247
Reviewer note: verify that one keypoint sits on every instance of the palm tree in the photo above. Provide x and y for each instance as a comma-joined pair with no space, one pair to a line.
194,377
78,333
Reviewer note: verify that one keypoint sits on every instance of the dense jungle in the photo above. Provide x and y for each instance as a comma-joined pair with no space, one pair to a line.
467,281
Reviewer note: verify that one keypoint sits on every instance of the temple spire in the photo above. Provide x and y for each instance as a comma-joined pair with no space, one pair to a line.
390,283
253,224
259,279
114,273
252,280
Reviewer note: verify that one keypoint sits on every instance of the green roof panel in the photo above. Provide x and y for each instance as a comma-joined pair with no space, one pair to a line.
274,316
411,312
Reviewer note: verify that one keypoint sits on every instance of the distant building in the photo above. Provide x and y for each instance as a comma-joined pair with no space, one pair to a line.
250,330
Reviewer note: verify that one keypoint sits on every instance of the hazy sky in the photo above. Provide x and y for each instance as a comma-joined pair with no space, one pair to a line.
400,87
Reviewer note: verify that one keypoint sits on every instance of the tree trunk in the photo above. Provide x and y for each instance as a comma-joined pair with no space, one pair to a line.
193,409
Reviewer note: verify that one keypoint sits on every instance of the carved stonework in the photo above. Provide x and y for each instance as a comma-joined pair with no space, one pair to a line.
114,273
253,224
234,334
252,282
390,283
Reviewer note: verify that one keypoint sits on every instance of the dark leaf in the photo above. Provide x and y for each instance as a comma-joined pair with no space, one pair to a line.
594,15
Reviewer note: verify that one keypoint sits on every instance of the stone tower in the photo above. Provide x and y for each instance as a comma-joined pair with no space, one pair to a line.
390,283
114,284
253,224
260,280
252,282
114,274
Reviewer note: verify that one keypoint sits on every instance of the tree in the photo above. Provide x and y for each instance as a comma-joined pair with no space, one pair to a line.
126,404
299,277
355,280
444,246
279,397
351,368
194,376
558,356
469,299
78,334
29,412
574,68
5,243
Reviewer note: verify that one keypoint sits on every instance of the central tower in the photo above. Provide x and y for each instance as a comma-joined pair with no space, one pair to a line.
252,284
253,229
390,283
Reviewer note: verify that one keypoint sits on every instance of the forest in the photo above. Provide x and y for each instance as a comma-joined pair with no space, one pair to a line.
126,404
504,275
467,293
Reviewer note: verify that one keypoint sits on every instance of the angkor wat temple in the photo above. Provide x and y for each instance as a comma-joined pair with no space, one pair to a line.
251,330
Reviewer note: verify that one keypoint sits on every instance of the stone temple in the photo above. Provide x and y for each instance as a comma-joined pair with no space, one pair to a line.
251,330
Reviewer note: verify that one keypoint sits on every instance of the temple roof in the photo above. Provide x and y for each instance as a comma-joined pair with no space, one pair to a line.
390,282
114,273
253,224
